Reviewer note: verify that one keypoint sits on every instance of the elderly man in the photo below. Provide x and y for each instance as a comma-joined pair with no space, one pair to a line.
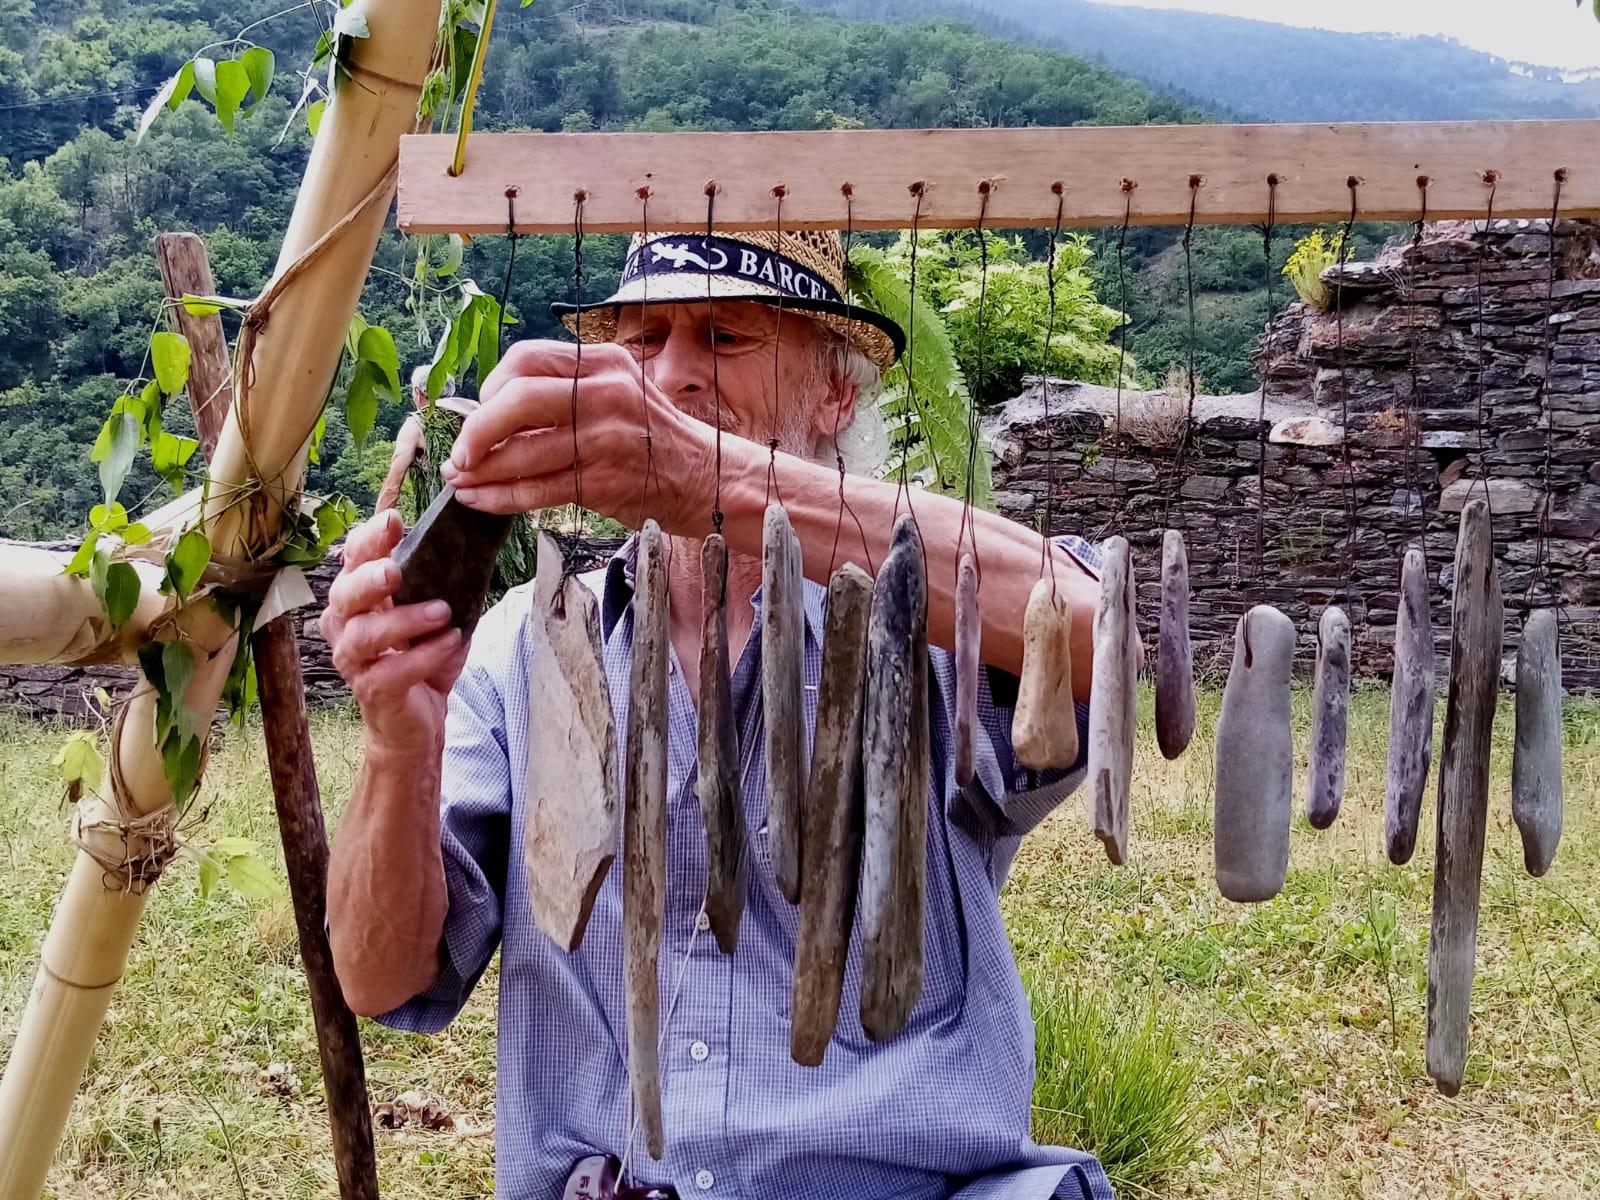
749,331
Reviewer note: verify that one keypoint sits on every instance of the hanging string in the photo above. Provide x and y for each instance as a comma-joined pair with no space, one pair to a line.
1115,520
779,192
1491,179
1347,558
903,487
1541,560
578,198
848,191
716,384
1180,467
644,195
968,530
1045,557
511,261
1413,449
1267,230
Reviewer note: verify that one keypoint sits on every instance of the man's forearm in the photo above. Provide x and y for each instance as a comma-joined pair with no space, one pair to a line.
386,888
1009,555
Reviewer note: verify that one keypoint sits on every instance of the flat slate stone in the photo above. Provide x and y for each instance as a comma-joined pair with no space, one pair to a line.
1536,789
834,819
644,831
1411,700
449,555
1113,703
1174,651
1330,718
717,783
1044,725
969,635
1476,637
1255,760
895,779
574,802
783,668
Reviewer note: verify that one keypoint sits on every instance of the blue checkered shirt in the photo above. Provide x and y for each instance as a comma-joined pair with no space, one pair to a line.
941,1109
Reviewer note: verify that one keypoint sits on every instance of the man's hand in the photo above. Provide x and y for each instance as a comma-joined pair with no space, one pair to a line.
400,662
637,454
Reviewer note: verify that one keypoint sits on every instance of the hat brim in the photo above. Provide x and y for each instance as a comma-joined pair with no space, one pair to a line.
875,335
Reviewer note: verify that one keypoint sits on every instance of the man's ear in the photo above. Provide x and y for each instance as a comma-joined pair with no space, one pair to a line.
835,411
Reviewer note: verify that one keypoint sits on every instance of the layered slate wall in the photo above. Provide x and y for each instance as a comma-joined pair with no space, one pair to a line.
1419,335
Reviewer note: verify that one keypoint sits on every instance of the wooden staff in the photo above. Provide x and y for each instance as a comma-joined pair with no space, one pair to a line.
783,630
1476,638
1044,726
1410,712
717,784
1330,718
969,635
1174,651
1536,791
1113,702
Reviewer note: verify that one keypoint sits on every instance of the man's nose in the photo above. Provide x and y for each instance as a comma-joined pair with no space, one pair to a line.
681,368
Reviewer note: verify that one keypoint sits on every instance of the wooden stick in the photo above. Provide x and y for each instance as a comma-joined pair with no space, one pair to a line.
1313,165
305,858
834,803
1410,712
1114,700
1536,789
1044,726
718,782
1330,718
895,769
644,831
1255,760
1476,637
969,635
783,631
1174,653
185,269
574,805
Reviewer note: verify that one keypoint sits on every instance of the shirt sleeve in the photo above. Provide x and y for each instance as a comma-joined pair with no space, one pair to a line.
474,834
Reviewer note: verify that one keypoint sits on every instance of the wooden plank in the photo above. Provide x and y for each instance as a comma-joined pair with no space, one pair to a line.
1476,637
783,679
969,635
1174,651
1536,795
1313,164
1114,700
1410,712
185,269
1044,725
1330,718
717,783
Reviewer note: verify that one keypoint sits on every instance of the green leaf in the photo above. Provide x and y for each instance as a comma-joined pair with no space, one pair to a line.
136,534
205,78
488,338
121,592
233,84
147,407
318,432
377,346
114,449
186,562
334,518
169,454
252,878
352,336
169,355
108,518
314,115
79,760
361,401
209,874
180,760
177,668
232,846
258,63
208,306
451,262
84,558
172,94
324,48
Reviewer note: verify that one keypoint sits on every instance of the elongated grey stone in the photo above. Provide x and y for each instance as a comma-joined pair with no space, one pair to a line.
574,803
1536,791
1476,638
1044,726
1411,698
717,783
783,667
1255,760
895,778
969,635
1330,718
834,816
644,830
1112,703
1174,653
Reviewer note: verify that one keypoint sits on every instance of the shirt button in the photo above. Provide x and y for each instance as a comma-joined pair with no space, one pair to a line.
698,1051
703,1179
702,922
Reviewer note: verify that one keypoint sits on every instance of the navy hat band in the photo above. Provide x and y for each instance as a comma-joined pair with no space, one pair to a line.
698,254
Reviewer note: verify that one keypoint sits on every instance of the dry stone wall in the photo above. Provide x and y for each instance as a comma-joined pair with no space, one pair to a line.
1396,361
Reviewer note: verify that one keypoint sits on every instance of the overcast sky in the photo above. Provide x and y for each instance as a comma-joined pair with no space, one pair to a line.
1550,32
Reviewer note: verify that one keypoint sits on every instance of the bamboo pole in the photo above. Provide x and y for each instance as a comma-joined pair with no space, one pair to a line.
48,617
288,371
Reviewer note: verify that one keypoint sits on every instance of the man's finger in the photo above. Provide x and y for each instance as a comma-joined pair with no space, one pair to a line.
520,456
523,495
524,403
394,674
373,538
371,634
543,357
363,588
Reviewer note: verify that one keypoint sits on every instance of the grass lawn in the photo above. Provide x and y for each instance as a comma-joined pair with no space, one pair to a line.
1300,1021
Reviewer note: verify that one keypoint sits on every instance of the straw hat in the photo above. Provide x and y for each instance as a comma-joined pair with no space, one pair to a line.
799,272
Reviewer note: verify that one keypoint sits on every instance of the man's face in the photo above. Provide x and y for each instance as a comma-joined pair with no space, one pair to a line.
766,369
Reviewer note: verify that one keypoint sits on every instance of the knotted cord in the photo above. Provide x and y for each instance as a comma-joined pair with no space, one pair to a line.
1491,179
778,192
1347,558
1114,521
578,199
1045,557
1413,449
644,397
968,530
903,487
716,384
1181,464
1267,230
848,191
1541,559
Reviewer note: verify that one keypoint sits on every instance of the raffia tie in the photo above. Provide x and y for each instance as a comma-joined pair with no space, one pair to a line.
131,848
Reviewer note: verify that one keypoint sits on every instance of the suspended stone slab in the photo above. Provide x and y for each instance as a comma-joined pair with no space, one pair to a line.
895,774
1174,652
718,782
783,674
834,812
1476,637
1044,727
1330,718
574,803
449,555
1536,795
644,830
969,635
1255,760
1411,698
1112,704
